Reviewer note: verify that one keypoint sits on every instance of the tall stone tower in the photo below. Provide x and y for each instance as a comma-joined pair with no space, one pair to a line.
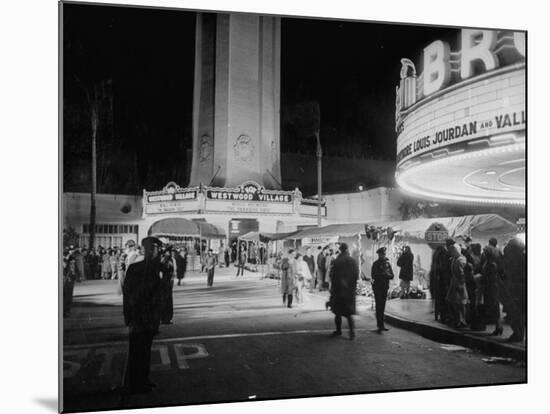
236,108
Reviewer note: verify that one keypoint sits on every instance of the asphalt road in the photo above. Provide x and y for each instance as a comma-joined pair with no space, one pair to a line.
236,342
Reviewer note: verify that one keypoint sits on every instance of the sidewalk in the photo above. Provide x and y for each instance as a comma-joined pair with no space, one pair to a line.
417,315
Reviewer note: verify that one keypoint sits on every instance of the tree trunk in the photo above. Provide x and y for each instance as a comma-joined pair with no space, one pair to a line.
95,108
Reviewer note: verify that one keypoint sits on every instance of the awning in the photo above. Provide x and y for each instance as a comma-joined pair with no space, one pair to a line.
182,227
265,237
477,226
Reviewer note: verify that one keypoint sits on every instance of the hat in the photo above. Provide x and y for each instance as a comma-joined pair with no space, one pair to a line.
130,243
150,241
381,250
493,242
467,239
343,247
449,242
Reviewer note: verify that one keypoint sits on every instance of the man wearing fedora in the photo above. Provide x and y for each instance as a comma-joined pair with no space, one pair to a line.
381,273
141,304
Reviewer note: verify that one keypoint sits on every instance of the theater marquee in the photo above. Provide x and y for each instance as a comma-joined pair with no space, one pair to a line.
461,123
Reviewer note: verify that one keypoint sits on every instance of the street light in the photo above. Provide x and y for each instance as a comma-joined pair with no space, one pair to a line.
319,178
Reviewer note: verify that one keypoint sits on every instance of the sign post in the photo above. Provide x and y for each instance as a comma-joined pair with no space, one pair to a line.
436,235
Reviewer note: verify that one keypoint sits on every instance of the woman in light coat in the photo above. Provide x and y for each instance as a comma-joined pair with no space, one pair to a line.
457,295
303,277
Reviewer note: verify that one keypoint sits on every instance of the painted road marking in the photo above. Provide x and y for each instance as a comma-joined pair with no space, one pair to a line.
74,360
183,354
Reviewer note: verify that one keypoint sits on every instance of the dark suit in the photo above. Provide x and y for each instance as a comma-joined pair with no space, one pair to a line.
141,305
381,273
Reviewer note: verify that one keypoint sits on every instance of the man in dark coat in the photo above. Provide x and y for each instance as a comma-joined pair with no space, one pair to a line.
514,292
345,273
322,268
381,275
141,303
405,262
167,287
308,258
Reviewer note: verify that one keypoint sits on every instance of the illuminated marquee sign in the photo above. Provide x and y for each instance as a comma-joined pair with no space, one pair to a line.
249,197
171,199
430,117
248,192
482,51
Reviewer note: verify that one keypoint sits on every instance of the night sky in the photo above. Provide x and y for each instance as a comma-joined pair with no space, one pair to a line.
143,61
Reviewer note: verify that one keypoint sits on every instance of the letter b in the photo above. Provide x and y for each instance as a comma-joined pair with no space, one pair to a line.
436,66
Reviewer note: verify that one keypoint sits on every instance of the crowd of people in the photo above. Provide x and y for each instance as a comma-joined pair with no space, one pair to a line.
81,264
471,286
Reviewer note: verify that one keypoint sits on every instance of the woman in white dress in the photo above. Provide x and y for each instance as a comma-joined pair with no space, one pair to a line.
303,278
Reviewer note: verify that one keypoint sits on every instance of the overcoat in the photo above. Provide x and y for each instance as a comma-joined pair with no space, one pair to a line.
345,273
405,262
288,276
457,292
141,300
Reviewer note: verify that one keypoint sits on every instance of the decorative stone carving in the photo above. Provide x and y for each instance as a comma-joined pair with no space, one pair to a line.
205,149
244,148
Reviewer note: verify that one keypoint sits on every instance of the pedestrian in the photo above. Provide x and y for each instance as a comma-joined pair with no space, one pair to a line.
514,297
493,286
381,275
87,269
322,260
113,260
70,275
405,262
210,265
242,260
79,263
303,277
288,278
167,286
457,295
476,290
106,264
141,306
227,256
181,261
310,261
342,290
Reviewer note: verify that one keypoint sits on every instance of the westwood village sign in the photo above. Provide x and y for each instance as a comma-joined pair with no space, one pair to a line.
249,197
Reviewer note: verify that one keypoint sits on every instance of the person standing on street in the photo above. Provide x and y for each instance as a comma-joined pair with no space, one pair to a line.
381,274
70,275
322,268
181,262
141,305
242,260
514,291
405,262
227,256
167,286
342,290
457,295
310,260
210,265
288,278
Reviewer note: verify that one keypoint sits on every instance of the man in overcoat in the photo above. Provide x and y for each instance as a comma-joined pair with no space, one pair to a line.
141,305
381,274
288,277
345,273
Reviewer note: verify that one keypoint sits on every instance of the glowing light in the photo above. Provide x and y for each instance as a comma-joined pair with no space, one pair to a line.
491,172
403,177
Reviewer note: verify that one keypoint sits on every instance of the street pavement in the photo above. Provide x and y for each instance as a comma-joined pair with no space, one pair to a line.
236,342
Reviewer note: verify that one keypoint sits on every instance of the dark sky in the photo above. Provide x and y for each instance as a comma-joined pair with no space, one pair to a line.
143,59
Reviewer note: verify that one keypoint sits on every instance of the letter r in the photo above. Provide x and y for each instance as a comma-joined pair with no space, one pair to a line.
474,48
436,66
